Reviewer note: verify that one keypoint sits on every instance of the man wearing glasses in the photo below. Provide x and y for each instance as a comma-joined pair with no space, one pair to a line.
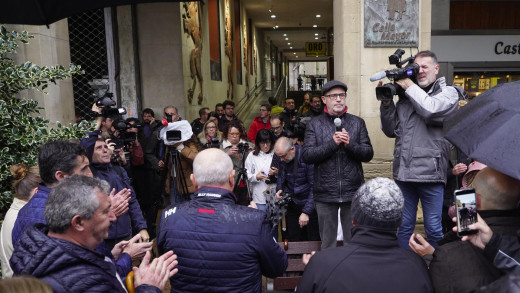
337,153
260,122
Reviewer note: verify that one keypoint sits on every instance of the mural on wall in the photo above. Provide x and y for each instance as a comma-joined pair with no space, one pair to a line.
246,55
192,26
229,49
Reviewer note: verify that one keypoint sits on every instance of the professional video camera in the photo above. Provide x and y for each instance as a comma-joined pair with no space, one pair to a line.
387,91
286,199
107,104
125,138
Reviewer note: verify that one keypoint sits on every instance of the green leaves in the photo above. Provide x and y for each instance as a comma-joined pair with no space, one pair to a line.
22,129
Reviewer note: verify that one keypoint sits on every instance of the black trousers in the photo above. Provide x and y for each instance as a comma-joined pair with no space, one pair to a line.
310,232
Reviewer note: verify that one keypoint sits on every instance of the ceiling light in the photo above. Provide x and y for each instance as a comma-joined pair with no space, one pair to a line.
290,47
270,10
315,25
285,35
316,34
316,38
318,16
296,56
276,26
289,44
294,53
273,16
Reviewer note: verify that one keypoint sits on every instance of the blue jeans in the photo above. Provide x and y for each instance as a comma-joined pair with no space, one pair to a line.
431,196
261,206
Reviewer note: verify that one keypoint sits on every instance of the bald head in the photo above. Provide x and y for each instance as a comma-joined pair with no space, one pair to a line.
496,191
213,167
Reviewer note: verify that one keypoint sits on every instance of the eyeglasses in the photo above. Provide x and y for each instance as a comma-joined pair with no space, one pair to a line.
266,143
335,96
276,128
211,127
234,133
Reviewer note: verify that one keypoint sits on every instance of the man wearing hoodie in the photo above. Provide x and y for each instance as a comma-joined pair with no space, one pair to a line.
260,122
337,153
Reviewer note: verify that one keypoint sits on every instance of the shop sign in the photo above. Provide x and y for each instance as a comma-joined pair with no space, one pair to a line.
476,48
313,49
392,23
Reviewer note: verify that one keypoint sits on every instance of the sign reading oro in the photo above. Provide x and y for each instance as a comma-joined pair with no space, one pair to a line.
391,23
313,49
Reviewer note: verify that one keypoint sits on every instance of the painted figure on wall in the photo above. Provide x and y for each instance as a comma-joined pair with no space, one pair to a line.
191,22
229,50
254,59
394,6
246,56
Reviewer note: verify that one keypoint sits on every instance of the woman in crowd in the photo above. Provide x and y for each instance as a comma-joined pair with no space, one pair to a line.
25,185
210,131
258,167
234,144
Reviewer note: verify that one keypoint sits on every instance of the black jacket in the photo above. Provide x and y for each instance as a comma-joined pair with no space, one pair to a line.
65,266
448,275
371,262
338,172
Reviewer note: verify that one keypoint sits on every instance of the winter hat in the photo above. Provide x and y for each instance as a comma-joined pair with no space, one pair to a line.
332,84
378,203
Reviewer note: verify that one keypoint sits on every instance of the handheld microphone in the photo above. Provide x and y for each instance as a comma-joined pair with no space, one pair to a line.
164,122
337,122
378,76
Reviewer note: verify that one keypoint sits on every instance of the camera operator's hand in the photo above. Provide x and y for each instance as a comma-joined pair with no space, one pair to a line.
459,169
96,109
279,194
261,176
232,150
405,83
481,239
121,154
303,220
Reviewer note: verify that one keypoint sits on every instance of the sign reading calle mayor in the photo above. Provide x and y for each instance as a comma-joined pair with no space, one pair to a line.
392,23
313,49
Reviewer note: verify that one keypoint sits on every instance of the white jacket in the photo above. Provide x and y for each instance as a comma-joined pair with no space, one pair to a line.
255,164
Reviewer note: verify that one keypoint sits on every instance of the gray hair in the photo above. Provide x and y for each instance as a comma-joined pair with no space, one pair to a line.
284,142
171,107
75,195
212,167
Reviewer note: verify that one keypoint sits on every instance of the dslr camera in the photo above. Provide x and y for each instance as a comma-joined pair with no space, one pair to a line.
243,147
286,199
387,91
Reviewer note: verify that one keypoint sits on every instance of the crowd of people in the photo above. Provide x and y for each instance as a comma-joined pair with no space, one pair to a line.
206,191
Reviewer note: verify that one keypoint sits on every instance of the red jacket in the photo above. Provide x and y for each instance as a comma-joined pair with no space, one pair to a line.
256,125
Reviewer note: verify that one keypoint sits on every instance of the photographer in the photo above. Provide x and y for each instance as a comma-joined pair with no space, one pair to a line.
237,149
295,178
210,135
421,153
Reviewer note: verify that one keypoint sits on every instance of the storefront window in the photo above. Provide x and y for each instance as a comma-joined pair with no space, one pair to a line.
476,83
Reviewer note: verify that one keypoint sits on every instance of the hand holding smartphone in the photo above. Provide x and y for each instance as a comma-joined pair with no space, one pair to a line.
466,205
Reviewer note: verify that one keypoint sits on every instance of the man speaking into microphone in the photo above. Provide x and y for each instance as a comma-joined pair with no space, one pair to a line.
336,142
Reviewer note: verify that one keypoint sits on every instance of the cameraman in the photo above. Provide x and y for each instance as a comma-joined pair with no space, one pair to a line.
421,152
296,178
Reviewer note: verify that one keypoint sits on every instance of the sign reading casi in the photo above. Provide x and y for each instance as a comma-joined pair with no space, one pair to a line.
315,49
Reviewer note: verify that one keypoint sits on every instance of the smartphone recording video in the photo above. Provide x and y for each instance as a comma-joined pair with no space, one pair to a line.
466,211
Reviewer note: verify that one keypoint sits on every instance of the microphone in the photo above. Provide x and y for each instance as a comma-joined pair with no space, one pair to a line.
164,122
337,122
378,76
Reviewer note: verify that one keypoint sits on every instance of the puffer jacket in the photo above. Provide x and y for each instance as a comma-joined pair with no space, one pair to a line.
221,246
302,192
65,266
31,213
421,152
133,218
254,165
338,172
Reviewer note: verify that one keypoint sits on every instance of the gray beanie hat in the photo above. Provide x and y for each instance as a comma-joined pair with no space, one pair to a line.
378,203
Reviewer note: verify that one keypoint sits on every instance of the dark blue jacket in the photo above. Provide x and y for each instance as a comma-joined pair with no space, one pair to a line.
302,192
65,266
34,214
221,246
133,218
31,213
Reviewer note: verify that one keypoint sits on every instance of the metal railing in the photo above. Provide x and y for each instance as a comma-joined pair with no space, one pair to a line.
281,92
245,100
